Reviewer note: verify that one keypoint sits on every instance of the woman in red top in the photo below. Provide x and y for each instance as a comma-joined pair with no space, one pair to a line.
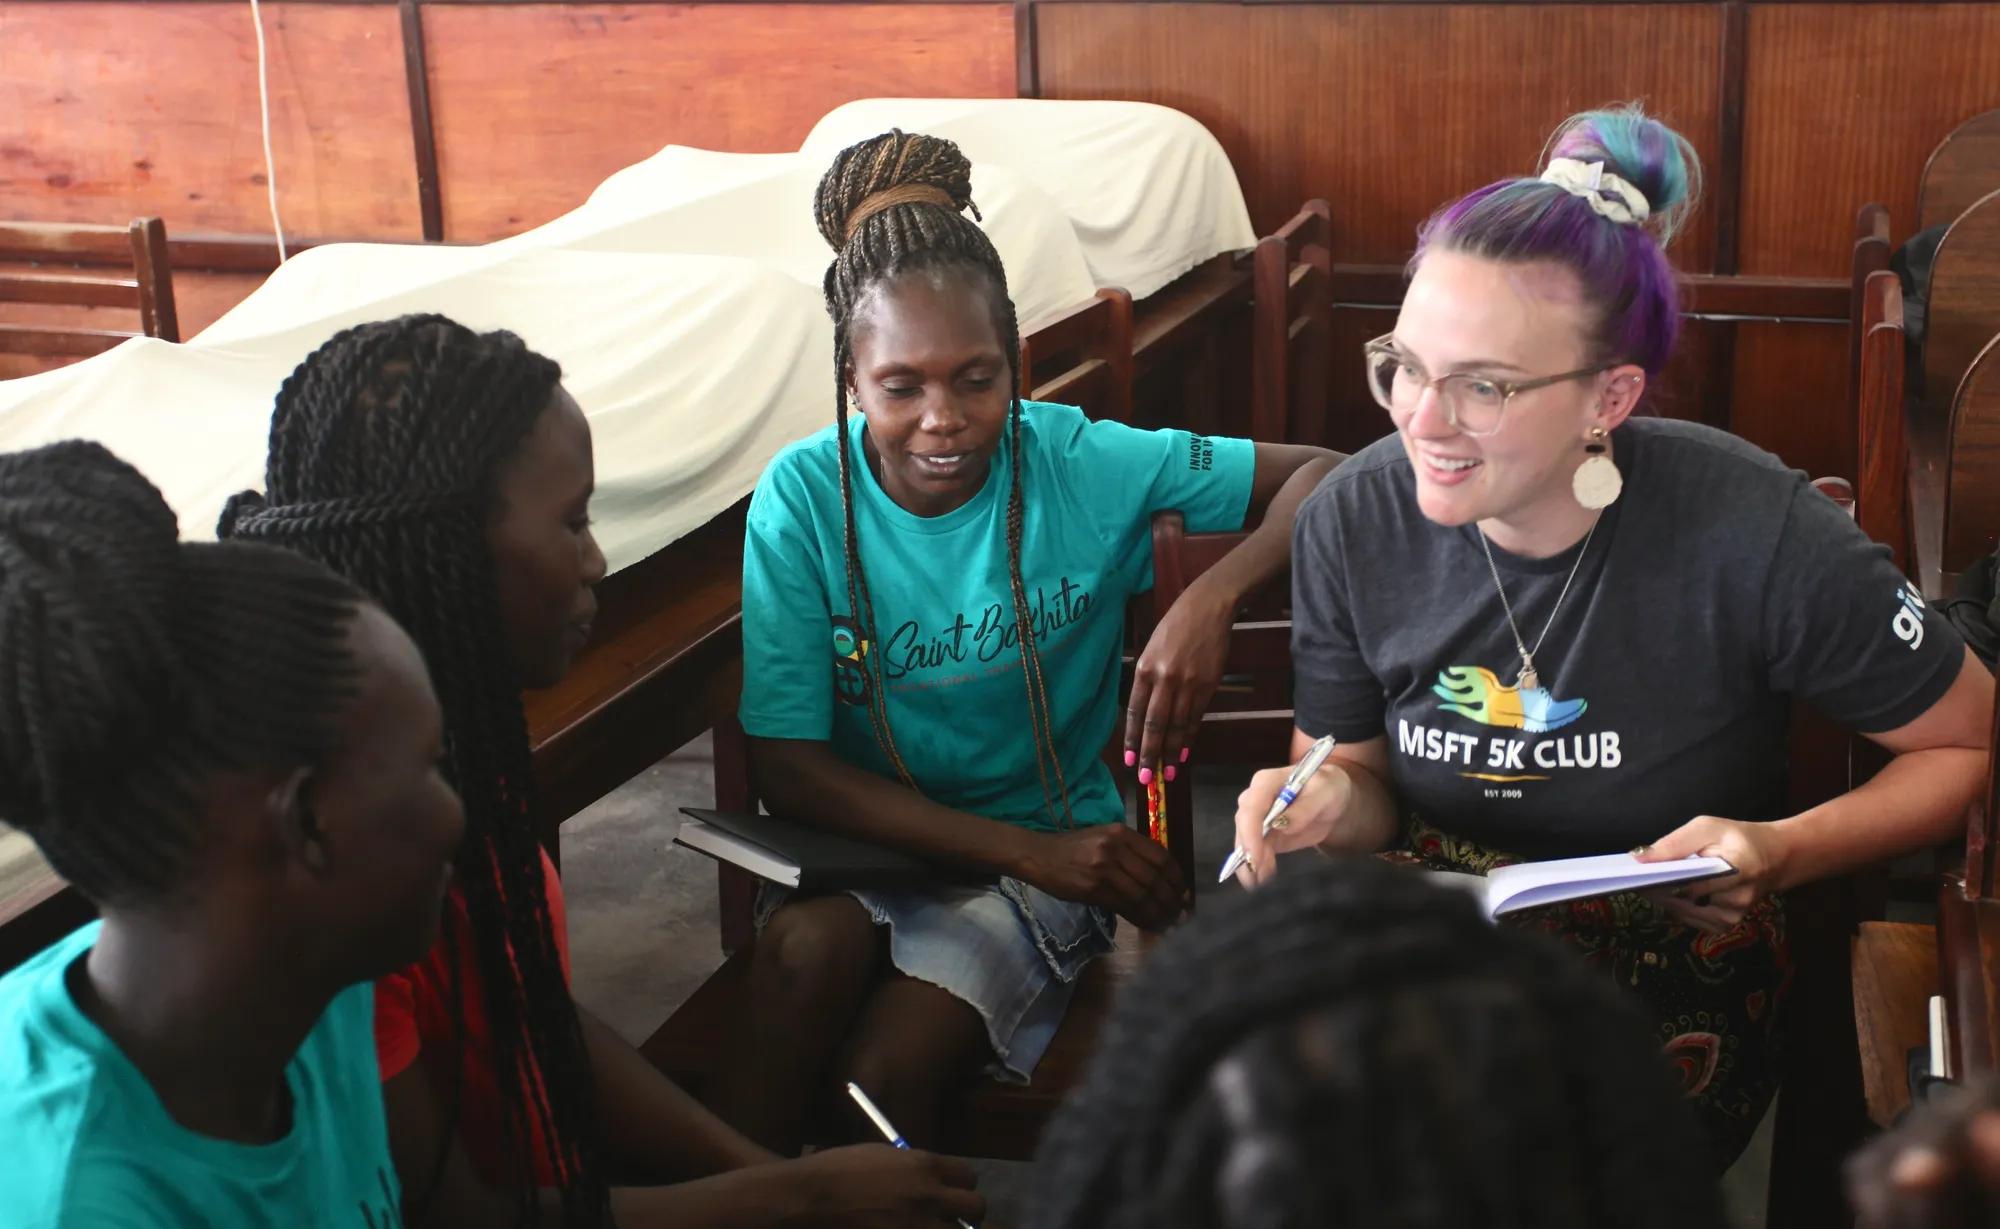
448,474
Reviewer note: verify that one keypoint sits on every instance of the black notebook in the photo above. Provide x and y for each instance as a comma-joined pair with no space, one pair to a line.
797,856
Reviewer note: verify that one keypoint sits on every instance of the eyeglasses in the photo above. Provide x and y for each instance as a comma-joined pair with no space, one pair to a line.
1472,403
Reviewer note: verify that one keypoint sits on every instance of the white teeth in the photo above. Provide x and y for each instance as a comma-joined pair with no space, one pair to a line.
1452,464
953,459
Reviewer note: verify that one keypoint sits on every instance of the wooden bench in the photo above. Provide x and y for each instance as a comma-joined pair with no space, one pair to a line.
1083,357
1972,487
1895,975
1292,330
1964,167
44,263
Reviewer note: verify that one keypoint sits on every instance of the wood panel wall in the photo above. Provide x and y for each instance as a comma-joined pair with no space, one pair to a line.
535,104
114,109
1799,112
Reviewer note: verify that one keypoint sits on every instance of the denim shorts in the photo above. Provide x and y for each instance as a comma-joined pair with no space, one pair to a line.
1011,951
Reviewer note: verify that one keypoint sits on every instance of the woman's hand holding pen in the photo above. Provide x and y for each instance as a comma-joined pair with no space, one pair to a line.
1112,867
1312,820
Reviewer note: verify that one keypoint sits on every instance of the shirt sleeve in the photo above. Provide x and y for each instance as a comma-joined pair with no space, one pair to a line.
1206,478
397,1039
1844,630
788,633
1333,690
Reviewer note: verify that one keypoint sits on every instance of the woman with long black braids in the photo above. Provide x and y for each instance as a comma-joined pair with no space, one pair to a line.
1355,1047
917,579
448,473
233,754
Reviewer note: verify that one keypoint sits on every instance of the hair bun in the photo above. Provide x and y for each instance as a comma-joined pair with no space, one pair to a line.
893,162
1642,151
88,558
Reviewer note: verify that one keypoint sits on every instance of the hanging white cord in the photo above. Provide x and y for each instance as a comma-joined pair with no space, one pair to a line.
264,110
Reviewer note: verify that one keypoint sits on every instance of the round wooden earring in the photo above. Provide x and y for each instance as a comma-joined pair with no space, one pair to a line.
1597,482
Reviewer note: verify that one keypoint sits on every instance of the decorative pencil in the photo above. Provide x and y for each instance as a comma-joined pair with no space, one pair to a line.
1156,807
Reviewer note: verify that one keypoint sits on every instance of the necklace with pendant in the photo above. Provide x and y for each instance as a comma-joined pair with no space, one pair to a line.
1530,679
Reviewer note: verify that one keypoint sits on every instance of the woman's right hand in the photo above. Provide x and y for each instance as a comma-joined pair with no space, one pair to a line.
874,1186
1112,867
1311,819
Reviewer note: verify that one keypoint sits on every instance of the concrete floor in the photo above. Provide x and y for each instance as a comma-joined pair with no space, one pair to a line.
642,926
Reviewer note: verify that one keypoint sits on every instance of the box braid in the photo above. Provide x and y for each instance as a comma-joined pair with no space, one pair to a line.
891,206
133,667
1351,1047
385,444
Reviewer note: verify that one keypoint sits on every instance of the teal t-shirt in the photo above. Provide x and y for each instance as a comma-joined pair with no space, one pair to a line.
86,1141
944,609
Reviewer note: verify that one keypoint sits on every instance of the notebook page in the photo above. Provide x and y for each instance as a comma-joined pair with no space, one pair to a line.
1534,883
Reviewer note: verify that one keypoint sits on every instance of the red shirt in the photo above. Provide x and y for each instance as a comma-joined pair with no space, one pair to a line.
413,1014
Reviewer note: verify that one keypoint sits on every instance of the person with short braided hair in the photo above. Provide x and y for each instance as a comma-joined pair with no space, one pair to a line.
1355,1047
912,575
449,473
233,754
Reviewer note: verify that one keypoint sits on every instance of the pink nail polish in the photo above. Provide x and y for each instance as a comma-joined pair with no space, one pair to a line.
1170,772
1145,776
1131,758
1184,755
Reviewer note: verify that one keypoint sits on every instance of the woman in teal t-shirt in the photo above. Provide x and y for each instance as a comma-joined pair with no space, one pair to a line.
890,563
233,754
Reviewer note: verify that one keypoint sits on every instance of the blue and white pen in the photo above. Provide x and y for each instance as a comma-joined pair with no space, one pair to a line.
1315,756
887,1128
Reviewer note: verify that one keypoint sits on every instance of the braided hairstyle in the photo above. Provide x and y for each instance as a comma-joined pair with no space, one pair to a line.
134,667
890,207
385,447
1353,1047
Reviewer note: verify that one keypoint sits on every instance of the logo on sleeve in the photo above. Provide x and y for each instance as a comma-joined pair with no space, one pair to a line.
1201,452
1908,623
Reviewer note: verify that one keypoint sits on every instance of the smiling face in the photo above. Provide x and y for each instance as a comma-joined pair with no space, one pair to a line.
1511,322
930,372
545,559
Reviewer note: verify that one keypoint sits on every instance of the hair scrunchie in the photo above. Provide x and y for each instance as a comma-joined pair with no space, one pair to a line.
1609,195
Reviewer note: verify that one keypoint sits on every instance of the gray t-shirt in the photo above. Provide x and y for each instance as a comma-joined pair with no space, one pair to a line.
1718,587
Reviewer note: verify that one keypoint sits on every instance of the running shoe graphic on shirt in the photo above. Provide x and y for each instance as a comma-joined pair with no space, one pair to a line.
1476,692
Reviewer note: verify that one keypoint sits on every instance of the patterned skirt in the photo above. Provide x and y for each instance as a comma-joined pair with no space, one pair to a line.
1713,998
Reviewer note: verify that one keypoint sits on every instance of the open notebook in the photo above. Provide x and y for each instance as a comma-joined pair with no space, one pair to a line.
1533,884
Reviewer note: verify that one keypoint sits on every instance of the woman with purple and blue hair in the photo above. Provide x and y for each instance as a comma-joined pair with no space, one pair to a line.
1543,623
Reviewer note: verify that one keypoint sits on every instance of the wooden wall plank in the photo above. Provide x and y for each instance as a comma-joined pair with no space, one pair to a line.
115,109
1389,110
535,104
1843,104
1789,394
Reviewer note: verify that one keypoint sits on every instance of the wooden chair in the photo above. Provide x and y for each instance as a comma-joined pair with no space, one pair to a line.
1083,357
1292,329
1963,311
1962,169
1963,316
1972,487
1249,722
1884,497
141,247
992,1119
1869,257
